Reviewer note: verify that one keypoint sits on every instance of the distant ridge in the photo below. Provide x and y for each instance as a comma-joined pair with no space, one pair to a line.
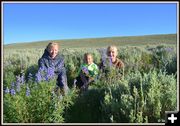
101,42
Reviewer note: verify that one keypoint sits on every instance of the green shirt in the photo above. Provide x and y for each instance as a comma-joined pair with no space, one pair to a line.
91,70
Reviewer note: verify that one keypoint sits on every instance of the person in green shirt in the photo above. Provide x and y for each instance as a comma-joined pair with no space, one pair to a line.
87,73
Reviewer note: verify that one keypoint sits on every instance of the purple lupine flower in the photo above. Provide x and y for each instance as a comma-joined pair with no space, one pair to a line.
169,49
41,75
12,91
27,91
7,90
103,55
18,79
18,88
18,82
50,72
41,69
103,60
44,74
85,70
38,76
22,79
102,51
12,85
46,78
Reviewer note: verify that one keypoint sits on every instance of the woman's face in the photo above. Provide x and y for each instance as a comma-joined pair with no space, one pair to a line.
112,54
89,59
53,51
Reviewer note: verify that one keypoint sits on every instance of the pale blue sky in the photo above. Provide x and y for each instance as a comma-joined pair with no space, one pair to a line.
28,22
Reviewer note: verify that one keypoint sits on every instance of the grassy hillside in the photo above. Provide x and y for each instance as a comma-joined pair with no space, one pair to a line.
102,42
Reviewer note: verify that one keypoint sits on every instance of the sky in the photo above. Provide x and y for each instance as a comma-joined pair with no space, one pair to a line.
30,22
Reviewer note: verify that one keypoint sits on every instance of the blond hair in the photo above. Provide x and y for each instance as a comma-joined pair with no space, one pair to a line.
110,48
50,45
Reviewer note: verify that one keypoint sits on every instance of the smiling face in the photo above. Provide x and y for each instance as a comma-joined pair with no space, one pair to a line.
112,53
88,59
53,50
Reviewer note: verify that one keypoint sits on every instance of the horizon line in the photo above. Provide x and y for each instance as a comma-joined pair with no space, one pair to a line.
85,38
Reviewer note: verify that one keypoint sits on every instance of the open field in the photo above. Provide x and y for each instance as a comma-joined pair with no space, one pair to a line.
102,42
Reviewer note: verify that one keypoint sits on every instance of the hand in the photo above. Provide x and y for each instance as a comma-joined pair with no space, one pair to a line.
91,79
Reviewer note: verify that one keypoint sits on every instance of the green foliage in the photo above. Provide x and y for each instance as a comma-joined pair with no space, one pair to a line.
41,106
86,108
140,93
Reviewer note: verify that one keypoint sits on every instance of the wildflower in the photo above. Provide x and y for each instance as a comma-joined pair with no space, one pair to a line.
7,90
41,68
103,60
169,49
27,91
18,82
46,78
44,74
22,79
12,85
103,55
18,88
18,79
12,91
85,70
50,72
38,76
102,51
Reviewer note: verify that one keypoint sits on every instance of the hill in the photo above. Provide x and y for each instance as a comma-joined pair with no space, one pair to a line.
102,42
